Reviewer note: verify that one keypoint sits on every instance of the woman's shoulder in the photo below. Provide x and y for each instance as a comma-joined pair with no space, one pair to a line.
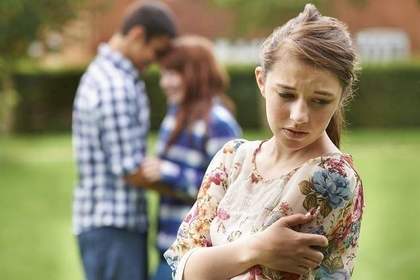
335,167
335,162
331,179
240,146
220,114
222,123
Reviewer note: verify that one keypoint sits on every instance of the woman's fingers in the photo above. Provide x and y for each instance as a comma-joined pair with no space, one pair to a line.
309,263
314,255
302,270
314,240
300,219
295,220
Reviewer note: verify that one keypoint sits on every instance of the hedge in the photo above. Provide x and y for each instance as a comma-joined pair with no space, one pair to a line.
386,96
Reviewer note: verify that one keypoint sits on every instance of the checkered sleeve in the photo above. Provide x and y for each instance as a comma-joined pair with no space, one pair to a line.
124,126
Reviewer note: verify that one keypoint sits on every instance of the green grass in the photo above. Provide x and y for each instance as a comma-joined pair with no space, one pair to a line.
37,176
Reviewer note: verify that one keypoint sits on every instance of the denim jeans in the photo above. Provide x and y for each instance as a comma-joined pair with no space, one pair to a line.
163,271
113,254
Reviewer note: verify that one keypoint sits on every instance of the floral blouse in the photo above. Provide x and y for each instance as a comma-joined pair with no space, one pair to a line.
236,201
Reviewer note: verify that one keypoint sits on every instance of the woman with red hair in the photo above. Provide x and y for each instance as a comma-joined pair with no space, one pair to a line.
198,123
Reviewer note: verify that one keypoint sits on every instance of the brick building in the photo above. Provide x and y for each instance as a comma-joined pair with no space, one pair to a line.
199,17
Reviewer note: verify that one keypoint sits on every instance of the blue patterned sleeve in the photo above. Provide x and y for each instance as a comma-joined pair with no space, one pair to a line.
222,128
186,178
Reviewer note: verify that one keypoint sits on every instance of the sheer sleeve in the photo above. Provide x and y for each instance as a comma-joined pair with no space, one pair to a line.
332,185
194,230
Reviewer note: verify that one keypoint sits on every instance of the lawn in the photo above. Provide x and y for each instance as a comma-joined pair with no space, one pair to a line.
37,176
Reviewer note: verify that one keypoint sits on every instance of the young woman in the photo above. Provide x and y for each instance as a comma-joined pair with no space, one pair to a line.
195,127
256,193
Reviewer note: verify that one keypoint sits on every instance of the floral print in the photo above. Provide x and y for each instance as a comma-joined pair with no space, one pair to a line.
324,274
235,201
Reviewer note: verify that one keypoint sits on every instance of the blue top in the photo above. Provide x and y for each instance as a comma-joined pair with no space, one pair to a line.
110,125
186,160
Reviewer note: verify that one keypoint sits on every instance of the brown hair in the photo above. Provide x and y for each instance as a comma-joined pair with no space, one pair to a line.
192,57
322,42
155,17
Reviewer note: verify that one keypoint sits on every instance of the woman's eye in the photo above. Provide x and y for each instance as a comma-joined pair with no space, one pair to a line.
286,95
320,101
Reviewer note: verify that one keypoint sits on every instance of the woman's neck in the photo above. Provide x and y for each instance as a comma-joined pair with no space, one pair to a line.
273,153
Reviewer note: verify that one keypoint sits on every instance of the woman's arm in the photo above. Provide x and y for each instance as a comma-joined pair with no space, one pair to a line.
343,236
278,247
334,186
194,231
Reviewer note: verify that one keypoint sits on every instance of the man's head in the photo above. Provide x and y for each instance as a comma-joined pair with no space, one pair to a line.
146,31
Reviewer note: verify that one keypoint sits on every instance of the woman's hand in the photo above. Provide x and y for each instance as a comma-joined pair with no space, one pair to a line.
151,169
281,248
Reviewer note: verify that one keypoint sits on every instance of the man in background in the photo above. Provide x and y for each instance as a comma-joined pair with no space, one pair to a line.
110,126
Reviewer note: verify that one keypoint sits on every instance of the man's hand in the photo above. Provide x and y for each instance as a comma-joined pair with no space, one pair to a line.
151,169
148,177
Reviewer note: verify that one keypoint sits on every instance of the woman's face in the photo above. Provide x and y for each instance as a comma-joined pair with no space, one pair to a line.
300,101
173,86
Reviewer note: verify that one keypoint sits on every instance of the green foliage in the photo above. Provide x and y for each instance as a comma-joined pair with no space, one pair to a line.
22,21
387,96
46,98
245,94
253,16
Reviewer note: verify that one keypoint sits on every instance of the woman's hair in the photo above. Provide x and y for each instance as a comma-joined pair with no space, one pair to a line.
319,41
192,57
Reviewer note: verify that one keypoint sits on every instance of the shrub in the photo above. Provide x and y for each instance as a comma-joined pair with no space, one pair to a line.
387,96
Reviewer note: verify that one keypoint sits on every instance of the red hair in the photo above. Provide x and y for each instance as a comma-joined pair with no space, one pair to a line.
192,57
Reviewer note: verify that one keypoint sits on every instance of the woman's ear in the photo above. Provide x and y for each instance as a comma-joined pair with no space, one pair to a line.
260,77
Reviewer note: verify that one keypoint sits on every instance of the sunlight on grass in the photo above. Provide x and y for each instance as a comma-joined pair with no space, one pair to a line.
37,176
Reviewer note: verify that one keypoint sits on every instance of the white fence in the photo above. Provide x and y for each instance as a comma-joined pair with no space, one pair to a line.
373,45
238,51
382,45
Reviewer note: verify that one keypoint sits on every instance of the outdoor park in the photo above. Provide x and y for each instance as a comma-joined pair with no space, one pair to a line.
37,167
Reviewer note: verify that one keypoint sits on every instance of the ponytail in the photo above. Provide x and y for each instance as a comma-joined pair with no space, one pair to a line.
335,127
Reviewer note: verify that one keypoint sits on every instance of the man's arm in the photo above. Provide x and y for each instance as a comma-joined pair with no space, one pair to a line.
138,180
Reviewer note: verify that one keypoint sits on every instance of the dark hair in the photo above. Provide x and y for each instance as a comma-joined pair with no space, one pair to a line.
155,17
322,42
192,57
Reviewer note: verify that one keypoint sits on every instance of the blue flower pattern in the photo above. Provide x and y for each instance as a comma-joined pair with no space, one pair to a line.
324,274
332,186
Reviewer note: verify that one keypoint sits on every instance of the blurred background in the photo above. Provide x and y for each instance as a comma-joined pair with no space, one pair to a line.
45,46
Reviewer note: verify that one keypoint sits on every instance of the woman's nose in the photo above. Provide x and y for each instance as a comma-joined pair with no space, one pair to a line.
299,112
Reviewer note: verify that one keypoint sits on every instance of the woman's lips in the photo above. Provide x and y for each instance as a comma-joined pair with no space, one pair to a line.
294,134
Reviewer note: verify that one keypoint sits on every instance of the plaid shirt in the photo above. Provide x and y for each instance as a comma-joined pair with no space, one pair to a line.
185,162
110,126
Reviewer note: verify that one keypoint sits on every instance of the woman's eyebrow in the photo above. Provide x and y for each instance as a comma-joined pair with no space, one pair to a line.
285,86
325,93
320,92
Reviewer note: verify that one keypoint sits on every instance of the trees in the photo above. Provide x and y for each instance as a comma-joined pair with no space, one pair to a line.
256,16
21,22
